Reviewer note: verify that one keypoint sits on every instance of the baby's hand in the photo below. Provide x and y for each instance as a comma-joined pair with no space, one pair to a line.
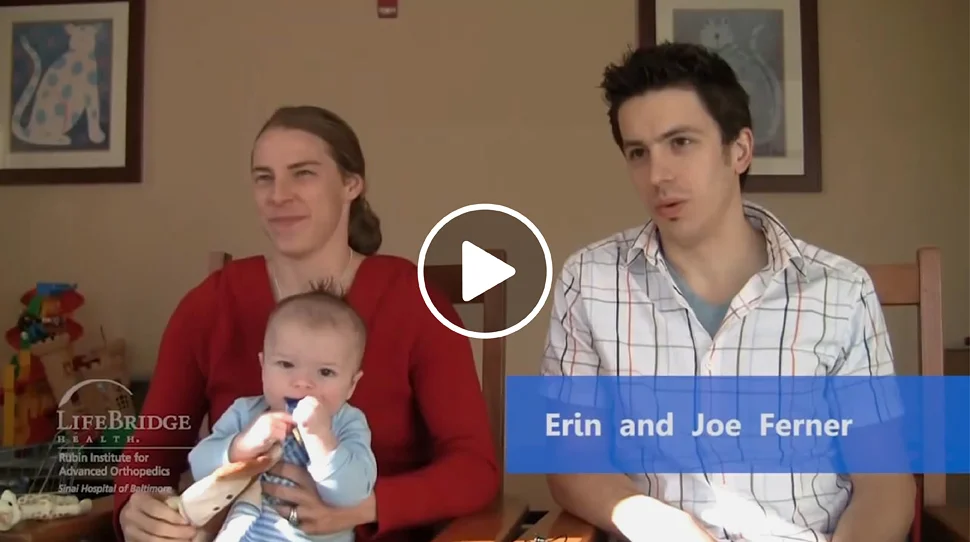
260,436
312,417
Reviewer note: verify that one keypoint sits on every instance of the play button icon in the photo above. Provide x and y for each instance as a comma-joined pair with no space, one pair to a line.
466,235
480,271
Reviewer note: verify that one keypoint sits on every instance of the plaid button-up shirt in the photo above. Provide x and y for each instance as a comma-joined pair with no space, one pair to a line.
616,311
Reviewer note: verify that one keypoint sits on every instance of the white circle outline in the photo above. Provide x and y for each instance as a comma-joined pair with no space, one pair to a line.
422,256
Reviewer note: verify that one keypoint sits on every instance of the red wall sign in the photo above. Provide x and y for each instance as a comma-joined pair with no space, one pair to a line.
387,9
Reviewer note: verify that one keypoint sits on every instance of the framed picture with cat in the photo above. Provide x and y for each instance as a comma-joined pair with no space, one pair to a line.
71,105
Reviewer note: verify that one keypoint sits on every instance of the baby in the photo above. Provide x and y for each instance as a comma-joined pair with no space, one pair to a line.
311,357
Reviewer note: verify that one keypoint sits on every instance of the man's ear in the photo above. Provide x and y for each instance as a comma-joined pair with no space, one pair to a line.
742,151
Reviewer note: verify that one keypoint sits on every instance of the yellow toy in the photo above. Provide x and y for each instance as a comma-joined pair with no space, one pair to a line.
24,357
9,405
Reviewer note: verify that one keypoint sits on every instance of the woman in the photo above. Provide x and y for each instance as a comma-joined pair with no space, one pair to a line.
420,390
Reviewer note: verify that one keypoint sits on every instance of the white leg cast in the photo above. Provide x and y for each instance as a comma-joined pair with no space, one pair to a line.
9,511
37,510
69,509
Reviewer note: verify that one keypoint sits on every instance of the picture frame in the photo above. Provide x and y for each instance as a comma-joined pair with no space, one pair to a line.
759,38
72,102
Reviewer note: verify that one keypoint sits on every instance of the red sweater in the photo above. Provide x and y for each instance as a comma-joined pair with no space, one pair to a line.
420,391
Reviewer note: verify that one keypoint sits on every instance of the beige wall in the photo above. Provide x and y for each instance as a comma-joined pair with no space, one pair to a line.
483,101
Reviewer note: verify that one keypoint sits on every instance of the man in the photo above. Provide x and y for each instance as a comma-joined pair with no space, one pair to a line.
713,285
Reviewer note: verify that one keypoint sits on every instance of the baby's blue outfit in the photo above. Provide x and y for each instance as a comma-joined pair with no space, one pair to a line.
344,478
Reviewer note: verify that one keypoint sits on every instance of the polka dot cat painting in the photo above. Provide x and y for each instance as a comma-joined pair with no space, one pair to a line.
62,102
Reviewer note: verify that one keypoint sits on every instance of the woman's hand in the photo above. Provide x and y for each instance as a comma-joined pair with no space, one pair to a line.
314,516
146,518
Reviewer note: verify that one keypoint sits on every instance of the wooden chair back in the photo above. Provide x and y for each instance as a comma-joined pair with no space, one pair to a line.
217,260
447,278
494,312
919,284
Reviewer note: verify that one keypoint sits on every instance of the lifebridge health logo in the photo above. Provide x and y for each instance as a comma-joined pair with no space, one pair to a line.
91,442
113,425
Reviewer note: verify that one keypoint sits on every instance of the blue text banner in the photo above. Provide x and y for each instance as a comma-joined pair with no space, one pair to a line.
844,424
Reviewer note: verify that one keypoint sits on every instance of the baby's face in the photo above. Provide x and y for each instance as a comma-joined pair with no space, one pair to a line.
299,361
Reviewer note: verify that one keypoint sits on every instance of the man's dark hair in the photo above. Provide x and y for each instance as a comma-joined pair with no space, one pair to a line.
680,65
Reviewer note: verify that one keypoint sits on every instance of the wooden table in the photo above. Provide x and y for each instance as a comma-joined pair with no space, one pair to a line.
559,526
95,526
940,524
